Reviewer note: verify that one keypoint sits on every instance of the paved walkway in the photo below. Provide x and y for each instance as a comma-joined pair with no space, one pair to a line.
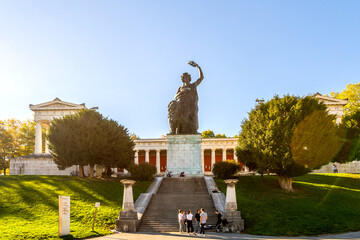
212,236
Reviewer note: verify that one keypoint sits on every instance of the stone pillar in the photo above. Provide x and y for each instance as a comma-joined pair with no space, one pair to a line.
230,203
147,154
158,161
203,159
236,224
224,154
128,198
136,159
212,157
47,126
235,157
38,139
128,220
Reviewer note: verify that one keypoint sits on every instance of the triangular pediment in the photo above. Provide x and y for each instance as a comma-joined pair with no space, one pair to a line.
330,100
57,104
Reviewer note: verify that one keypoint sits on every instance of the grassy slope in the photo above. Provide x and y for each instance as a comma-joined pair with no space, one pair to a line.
29,205
321,203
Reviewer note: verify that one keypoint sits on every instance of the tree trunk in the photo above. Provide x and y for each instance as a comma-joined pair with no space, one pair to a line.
92,168
108,172
81,171
286,183
262,177
4,171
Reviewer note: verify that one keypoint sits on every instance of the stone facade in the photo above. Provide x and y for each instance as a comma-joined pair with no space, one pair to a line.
335,106
40,164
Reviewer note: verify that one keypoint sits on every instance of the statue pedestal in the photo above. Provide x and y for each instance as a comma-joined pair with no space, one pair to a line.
184,154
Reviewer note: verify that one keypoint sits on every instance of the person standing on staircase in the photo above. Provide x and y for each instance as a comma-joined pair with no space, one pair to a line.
197,222
181,221
203,218
189,217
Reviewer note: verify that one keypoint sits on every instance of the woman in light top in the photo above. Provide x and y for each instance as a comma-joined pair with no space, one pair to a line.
181,221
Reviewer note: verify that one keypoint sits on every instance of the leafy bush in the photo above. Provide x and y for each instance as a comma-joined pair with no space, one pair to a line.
226,169
142,172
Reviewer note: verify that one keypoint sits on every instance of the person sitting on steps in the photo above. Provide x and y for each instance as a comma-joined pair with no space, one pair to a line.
182,174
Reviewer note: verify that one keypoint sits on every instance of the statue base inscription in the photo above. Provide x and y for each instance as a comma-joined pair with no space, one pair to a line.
184,154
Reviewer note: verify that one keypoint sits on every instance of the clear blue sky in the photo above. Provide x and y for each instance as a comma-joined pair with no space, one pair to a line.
126,57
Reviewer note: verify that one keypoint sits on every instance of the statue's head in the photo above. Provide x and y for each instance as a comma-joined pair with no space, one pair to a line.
186,78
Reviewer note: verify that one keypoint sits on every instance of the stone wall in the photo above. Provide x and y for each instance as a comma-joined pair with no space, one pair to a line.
39,164
351,167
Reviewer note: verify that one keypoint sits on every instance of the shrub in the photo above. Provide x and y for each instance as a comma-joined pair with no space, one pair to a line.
142,172
226,169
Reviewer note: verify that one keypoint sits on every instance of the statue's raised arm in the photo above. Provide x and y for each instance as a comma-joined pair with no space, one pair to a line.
201,77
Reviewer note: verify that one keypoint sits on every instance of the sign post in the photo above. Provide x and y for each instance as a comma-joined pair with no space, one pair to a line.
97,204
64,215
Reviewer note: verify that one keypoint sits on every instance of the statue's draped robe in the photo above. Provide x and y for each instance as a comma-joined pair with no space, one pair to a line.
183,111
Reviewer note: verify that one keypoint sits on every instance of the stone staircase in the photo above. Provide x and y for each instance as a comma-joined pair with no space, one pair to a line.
174,194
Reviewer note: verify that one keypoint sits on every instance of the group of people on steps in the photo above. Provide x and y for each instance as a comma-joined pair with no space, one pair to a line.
200,219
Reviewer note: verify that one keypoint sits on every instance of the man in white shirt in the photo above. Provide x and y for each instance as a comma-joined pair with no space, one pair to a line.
189,224
203,218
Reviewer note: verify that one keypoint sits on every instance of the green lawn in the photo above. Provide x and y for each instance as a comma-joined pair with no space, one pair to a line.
321,204
29,205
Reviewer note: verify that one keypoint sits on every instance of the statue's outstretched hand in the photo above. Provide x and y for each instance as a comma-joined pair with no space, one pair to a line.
192,63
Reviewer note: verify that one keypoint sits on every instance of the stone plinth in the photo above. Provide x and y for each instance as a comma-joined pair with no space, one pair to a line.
231,214
184,154
128,217
127,222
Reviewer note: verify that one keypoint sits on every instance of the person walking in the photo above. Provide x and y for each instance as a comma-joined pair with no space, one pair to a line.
197,222
219,221
181,221
334,168
203,219
189,223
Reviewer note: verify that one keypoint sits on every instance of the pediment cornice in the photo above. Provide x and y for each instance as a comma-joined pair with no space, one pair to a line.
56,104
331,100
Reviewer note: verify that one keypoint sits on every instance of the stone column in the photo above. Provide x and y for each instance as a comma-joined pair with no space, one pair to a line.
212,157
235,157
47,142
128,219
236,224
224,154
203,159
230,203
38,139
136,159
147,154
158,161
128,198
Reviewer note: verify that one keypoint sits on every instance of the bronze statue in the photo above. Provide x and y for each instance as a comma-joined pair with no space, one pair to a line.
183,111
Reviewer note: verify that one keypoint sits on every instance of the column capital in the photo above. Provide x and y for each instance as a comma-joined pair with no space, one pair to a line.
128,182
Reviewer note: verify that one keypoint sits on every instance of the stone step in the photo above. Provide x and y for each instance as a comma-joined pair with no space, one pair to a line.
174,194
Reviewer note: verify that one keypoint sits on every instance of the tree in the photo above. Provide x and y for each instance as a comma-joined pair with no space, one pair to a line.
352,94
6,148
350,151
286,136
220,135
208,134
89,138
23,134
211,134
